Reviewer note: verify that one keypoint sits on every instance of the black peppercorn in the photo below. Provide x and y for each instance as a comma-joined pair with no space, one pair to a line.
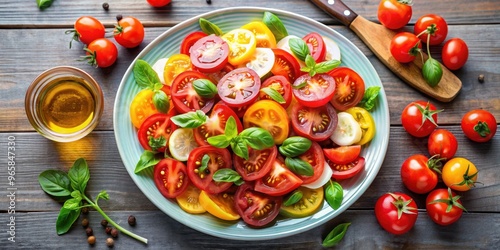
85,210
114,232
110,242
480,78
131,220
104,223
108,230
89,231
119,17
85,222
105,6
209,1
91,240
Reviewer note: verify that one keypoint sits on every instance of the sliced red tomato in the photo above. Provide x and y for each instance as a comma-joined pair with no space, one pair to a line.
202,179
189,40
315,157
239,87
259,163
285,65
216,123
316,46
256,209
216,76
270,116
281,85
346,171
316,124
209,54
184,96
170,177
342,154
314,91
350,88
278,181
155,132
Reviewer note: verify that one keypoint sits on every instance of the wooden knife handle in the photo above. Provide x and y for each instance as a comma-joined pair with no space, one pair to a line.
337,9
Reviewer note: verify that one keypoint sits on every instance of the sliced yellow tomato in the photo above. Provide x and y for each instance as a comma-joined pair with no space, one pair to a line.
219,205
366,122
269,115
181,143
265,37
175,65
262,61
142,107
189,202
311,201
242,44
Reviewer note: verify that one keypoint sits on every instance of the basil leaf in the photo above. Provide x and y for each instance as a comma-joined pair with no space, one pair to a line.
334,194
336,235
192,119
273,94
144,75
79,175
44,4
239,147
257,138
73,203
65,219
160,100
299,48
147,160
299,166
231,129
326,66
157,143
205,88
432,72
204,163
102,195
370,97
275,25
295,197
299,86
227,175
209,28
55,183
219,141
295,146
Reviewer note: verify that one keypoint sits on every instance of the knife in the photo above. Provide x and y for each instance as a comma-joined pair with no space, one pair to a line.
377,38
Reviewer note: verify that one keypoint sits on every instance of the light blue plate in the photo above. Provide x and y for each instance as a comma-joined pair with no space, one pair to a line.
168,44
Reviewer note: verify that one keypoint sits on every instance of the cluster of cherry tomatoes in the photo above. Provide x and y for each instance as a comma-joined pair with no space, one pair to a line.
101,51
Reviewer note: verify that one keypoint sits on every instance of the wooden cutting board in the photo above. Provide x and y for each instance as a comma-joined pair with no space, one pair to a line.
377,38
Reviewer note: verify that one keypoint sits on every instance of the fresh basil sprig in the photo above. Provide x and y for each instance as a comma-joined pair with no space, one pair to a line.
148,159
275,24
299,48
370,97
295,197
334,194
78,176
146,78
192,119
432,72
299,166
336,235
227,175
274,94
314,68
209,28
44,4
294,146
205,88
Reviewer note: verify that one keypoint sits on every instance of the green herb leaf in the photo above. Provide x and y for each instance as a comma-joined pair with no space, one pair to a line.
79,175
275,24
299,86
274,94
240,147
44,4
219,141
257,138
73,203
432,72
102,195
336,235
144,75
66,219
370,97
295,146
227,175
205,88
334,194
55,183
204,163
231,129
299,166
299,48
161,102
147,160
157,143
192,119
326,66
209,28
295,197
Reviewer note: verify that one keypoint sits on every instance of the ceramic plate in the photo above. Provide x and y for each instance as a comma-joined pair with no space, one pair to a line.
168,44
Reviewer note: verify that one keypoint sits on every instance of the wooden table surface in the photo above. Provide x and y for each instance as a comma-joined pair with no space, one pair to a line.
33,41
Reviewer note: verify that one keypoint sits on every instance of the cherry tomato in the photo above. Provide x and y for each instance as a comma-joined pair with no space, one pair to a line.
281,85
220,205
443,143
310,203
87,29
129,32
349,88
479,125
216,76
265,37
459,174
285,65
189,40
342,154
434,25
101,53
255,208
209,54
418,173
316,158
155,132
219,158
270,116
216,123
396,212
259,163
158,3
188,200
175,65
316,45
142,107
239,87
444,206
278,181
455,53
366,123
184,96
170,177
394,14
347,170
419,118
315,124
242,44
405,47
314,91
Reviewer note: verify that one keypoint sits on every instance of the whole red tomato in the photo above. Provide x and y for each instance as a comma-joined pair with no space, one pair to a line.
129,32
396,212
444,206
418,173
419,118
394,14
433,25
455,53
479,125
443,143
404,47
101,53
87,29
158,3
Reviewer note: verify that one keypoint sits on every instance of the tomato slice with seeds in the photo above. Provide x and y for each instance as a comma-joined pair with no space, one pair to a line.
278,181
255,208
170,177
285,65
216,76
242,44
209,54
175,65
184,96
239,87
280,84
258,164
189,40
219,158
316,124
316,46
270,116
155,132
342,154
216,123
346,171
314,91
316,158
350,88
265,37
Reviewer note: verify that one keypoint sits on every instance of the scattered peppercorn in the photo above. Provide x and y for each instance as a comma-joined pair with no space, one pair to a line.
104,223
480,78
85,222
91,240
131,220
114,232
89,231
119,17
108,230
85,210
209,1
105,6
110,242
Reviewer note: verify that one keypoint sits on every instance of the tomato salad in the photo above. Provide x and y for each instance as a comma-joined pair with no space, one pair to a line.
252,123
